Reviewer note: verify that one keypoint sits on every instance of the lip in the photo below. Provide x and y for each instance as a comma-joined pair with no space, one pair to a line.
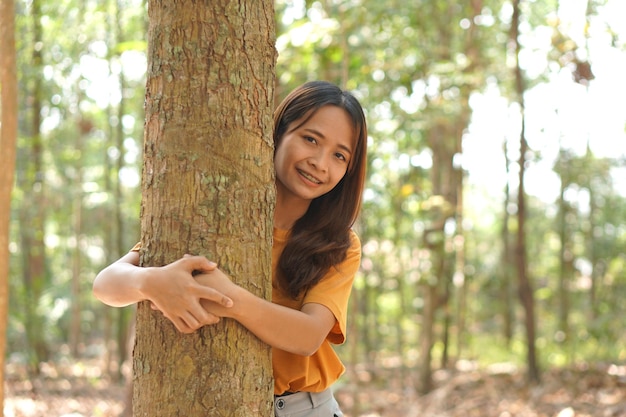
310,179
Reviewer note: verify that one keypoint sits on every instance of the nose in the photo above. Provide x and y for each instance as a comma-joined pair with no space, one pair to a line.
320,161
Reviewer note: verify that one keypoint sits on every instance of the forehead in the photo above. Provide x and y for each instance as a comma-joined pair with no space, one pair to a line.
331,122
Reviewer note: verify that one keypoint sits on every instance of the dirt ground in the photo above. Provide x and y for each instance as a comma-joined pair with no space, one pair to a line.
80,390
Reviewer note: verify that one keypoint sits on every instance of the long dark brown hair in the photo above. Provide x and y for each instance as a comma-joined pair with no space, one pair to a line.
321,237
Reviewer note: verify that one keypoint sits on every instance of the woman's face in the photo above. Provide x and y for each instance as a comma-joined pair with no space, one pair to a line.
313,157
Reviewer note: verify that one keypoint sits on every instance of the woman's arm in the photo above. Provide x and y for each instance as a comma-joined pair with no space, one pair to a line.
171,289
296,331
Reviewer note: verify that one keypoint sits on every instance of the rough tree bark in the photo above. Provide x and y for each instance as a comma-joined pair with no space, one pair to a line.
208,189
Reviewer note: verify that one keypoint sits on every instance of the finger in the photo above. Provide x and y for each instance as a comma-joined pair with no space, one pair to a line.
181,326
187,327
212,294
212,319
198,263
193,323
187,330
204,316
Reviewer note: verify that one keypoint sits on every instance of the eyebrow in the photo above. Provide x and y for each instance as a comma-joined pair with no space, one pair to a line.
318,133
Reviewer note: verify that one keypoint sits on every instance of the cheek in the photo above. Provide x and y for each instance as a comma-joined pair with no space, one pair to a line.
279,159
338,175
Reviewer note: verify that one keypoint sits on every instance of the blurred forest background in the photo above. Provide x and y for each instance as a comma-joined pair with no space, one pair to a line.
494,222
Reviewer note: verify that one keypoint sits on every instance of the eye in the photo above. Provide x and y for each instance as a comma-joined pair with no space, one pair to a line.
310,139
341,156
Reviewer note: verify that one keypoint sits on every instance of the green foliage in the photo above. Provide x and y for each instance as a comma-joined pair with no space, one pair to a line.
78,85
415,66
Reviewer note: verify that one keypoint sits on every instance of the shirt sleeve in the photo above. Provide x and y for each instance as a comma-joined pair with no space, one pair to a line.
333,290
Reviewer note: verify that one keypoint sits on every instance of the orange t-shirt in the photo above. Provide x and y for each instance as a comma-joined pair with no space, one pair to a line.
317,372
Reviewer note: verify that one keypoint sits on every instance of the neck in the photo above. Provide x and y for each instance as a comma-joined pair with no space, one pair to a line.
288,211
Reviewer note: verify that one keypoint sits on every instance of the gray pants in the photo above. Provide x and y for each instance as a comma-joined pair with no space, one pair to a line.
307,404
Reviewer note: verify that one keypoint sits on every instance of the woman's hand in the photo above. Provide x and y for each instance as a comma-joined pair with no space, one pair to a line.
217,280
300,331
173,290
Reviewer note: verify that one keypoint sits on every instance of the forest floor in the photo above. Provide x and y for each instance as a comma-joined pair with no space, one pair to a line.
79,390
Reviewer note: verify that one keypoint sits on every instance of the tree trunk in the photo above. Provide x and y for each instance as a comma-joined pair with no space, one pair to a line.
507,259
124,316
445,142
566,258
8,139
427,338
525,288
32,211
77,226
208,189
460,279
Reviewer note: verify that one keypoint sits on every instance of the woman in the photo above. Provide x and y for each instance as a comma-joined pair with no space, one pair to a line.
320,139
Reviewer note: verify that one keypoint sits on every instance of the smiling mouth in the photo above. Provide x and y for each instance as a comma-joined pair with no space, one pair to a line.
309,177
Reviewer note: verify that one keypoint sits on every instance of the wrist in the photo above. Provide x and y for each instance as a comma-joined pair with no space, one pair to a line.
141,282
240,297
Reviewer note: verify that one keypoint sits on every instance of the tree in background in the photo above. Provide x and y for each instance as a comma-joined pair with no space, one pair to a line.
407,62
118,321
8,140
33,211
208,189
525,288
